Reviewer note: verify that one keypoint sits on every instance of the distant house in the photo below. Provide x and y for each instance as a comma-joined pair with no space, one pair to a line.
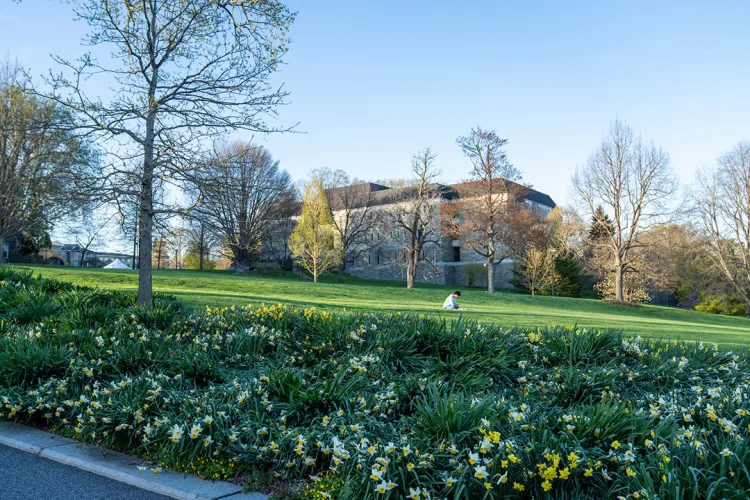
69,254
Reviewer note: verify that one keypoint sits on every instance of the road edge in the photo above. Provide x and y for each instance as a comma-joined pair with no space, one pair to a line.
117,466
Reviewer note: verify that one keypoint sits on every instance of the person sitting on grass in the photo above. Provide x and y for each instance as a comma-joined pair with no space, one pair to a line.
450,302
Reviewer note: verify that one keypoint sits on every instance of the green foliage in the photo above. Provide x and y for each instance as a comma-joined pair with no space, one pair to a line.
568,276
313,242
450,417
368,406
192,261
24,363
730,305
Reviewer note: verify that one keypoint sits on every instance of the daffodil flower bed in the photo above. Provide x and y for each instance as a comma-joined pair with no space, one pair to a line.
376,406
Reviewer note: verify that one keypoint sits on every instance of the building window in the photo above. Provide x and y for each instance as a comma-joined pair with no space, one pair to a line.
378,258
456,254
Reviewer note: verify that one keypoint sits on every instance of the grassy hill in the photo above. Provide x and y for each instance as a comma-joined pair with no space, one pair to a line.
198,289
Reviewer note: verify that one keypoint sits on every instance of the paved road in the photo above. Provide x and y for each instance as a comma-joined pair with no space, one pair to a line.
28,477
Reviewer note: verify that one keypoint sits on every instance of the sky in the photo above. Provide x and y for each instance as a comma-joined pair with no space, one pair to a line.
372,83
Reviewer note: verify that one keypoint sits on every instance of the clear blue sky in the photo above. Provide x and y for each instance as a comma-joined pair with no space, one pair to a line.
373,82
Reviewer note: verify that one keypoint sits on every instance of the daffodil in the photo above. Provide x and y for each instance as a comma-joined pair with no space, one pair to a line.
176,433
480,472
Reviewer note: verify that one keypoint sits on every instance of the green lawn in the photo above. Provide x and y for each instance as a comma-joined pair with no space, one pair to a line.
198,289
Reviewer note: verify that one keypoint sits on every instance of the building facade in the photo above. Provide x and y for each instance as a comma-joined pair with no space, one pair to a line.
381,254
444,261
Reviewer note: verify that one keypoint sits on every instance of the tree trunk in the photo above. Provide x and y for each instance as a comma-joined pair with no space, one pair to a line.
145,248
618,283
554,270
490,275
239,259
2,249
342,268
411,271
202,244
145,285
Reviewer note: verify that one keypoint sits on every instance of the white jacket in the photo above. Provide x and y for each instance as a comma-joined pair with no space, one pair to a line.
450,303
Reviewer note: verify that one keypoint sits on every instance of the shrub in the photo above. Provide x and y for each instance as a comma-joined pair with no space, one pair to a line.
721,304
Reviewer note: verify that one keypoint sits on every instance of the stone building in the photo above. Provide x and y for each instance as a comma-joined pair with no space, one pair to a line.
381,253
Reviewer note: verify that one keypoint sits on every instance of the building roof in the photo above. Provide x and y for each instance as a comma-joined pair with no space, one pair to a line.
67,247
473,188
368,193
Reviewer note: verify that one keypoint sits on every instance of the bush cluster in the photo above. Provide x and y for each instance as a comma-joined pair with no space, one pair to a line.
376,406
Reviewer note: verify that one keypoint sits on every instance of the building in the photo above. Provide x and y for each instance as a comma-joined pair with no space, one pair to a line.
446,261
69,254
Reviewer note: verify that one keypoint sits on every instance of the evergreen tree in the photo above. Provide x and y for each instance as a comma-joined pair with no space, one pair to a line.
568,276
601,224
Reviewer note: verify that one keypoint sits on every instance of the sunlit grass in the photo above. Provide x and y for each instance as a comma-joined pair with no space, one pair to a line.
199,289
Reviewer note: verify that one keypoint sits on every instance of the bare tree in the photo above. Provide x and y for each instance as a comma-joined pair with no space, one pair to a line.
634,183
674,255
160,255
279,231
41,161
201,241
495,223
178,242
89,228
240,190
415,211
184,72
722,204
567,231
354,216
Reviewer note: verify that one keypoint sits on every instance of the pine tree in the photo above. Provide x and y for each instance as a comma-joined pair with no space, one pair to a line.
313,241
568,276
601,224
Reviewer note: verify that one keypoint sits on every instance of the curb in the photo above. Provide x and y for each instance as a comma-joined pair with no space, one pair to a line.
118,466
